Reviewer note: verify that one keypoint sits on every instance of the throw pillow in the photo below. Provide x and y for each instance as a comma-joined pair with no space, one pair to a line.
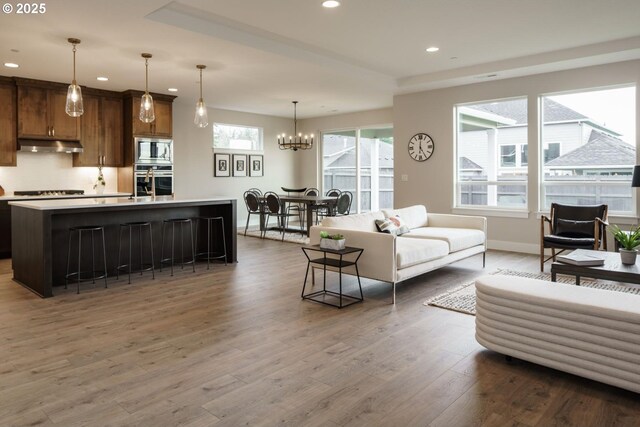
574,229
401,224
393,225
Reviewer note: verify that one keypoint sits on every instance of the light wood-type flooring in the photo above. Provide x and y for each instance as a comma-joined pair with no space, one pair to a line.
237,346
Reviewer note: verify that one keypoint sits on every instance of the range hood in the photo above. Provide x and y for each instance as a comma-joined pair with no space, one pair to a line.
47,146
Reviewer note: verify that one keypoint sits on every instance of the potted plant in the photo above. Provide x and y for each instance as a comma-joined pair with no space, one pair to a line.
334,242
100,184
629,241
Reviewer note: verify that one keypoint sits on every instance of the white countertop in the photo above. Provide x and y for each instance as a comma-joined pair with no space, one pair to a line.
66,196
87,202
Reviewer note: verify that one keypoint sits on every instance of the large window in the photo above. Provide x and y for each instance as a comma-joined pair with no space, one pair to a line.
236,137
588,148
492,154
360,161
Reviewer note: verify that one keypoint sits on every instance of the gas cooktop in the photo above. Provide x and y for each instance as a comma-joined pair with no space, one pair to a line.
48,193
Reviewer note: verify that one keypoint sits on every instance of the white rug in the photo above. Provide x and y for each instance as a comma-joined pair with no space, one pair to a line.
463,298
276,235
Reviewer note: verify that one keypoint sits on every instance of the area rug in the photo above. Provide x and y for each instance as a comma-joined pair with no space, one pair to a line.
276,235
463,298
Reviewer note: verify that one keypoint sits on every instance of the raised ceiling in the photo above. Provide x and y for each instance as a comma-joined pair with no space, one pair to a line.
263,54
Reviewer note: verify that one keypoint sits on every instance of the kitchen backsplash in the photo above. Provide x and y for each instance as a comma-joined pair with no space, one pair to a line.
52,171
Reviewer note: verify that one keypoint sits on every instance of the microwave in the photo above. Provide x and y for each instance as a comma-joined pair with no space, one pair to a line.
153,151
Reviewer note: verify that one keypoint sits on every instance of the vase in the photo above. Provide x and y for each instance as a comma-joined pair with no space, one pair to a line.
628,257
336,245
100,189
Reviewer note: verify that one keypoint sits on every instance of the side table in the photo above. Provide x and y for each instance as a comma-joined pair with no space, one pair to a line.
345,300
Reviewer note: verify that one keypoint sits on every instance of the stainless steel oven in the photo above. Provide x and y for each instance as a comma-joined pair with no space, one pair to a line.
162,175
153,151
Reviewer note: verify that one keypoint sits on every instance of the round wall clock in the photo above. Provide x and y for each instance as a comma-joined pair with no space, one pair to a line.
421,147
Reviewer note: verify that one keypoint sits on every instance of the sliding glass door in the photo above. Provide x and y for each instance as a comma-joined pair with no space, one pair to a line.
360,161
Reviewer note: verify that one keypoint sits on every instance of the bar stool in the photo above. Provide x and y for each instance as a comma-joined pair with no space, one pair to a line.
143,267
209,254
180,222
91,229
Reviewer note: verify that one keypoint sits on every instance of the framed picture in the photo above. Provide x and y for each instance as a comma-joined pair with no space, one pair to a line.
221,165
240,165
256,165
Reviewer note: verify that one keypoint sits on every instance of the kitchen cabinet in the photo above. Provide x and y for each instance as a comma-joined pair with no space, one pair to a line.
41,112
7,122
161,126
101,132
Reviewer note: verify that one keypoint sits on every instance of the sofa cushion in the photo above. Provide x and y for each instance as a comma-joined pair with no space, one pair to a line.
394,225
362,222
415,216
411,252
457,239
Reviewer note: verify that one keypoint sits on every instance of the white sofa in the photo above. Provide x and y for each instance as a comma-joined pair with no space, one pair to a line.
588,332
434,240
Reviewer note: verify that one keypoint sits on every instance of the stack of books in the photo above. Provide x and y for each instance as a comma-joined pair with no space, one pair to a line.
582,258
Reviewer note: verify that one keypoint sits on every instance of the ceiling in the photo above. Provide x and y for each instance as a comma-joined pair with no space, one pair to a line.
261,55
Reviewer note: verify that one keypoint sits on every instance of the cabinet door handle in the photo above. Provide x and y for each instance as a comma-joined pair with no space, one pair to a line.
48,130
53,131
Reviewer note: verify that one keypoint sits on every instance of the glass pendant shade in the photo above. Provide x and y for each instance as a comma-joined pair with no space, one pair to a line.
74,106
147,113
201,119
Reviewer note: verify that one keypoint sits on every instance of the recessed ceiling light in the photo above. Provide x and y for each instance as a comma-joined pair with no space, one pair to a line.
172,89
11,65
102,79
433,49
330,3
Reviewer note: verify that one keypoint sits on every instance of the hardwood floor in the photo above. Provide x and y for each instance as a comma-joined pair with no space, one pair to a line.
236,346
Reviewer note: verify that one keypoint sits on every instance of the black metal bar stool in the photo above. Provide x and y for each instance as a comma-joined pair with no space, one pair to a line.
143,267
209,255
180,222
83,276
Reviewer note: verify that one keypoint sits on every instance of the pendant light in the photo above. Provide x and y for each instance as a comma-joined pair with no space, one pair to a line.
74,106
296,141
147,114
201,119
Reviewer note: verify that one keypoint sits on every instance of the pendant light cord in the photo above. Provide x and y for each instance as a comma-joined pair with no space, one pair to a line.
295,119
200,83
146,75
74,63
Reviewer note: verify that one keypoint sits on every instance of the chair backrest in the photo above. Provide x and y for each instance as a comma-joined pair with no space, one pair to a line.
334,192
251,200
256,191
312,192
576,221
344,203
272,202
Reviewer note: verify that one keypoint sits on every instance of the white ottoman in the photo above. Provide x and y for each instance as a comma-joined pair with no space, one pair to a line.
588,332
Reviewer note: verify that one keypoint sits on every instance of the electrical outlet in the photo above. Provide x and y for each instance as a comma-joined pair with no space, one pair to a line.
404,178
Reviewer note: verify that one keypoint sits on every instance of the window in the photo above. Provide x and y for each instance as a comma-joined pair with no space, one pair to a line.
360,161
588,148
237,137
492,154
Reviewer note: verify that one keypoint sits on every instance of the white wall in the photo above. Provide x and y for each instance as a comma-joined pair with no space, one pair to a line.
432,182
193,155
52,171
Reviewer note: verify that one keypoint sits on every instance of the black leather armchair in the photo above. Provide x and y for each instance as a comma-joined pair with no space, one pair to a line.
573,227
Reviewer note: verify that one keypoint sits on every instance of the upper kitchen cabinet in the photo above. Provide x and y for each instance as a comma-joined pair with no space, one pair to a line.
162,126
101,130
41,111
7,122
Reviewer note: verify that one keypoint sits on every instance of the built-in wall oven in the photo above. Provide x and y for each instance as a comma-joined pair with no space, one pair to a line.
161,174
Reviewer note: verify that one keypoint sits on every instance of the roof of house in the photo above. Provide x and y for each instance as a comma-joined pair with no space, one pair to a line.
468,164
600,150
516,109
338,153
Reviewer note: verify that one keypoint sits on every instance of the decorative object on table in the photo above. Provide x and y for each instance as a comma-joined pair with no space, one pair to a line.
147,113
201,118
296,141
221,165
240,165
74,106
581,257
334,242
256,165
100,183
629,241
421,147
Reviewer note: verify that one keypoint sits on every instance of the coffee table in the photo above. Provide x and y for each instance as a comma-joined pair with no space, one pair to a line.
612,269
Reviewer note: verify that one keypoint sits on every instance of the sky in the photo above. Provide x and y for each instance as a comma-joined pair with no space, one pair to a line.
614,108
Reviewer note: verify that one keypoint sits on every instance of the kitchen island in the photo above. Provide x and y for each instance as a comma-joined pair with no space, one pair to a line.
40,231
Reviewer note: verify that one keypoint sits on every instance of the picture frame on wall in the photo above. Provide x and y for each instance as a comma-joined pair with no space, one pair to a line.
221,165
256,165
240,165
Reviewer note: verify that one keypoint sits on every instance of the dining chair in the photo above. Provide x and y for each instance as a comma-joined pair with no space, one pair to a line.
314,192
275,207
256,191
326,209
298,208
252,201
343,206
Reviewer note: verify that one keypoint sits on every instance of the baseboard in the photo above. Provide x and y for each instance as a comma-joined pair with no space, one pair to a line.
503,245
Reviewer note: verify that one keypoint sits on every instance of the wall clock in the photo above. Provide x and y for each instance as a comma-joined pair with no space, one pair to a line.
421,147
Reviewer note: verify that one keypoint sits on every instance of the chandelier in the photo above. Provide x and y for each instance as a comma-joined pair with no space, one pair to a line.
296,141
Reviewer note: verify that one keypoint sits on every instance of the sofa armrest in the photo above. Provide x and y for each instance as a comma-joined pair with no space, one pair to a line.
458,221
378,261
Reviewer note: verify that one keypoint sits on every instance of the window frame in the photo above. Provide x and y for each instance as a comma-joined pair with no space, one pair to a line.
241,150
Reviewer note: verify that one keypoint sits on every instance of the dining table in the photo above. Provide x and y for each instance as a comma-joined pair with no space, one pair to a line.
309,201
